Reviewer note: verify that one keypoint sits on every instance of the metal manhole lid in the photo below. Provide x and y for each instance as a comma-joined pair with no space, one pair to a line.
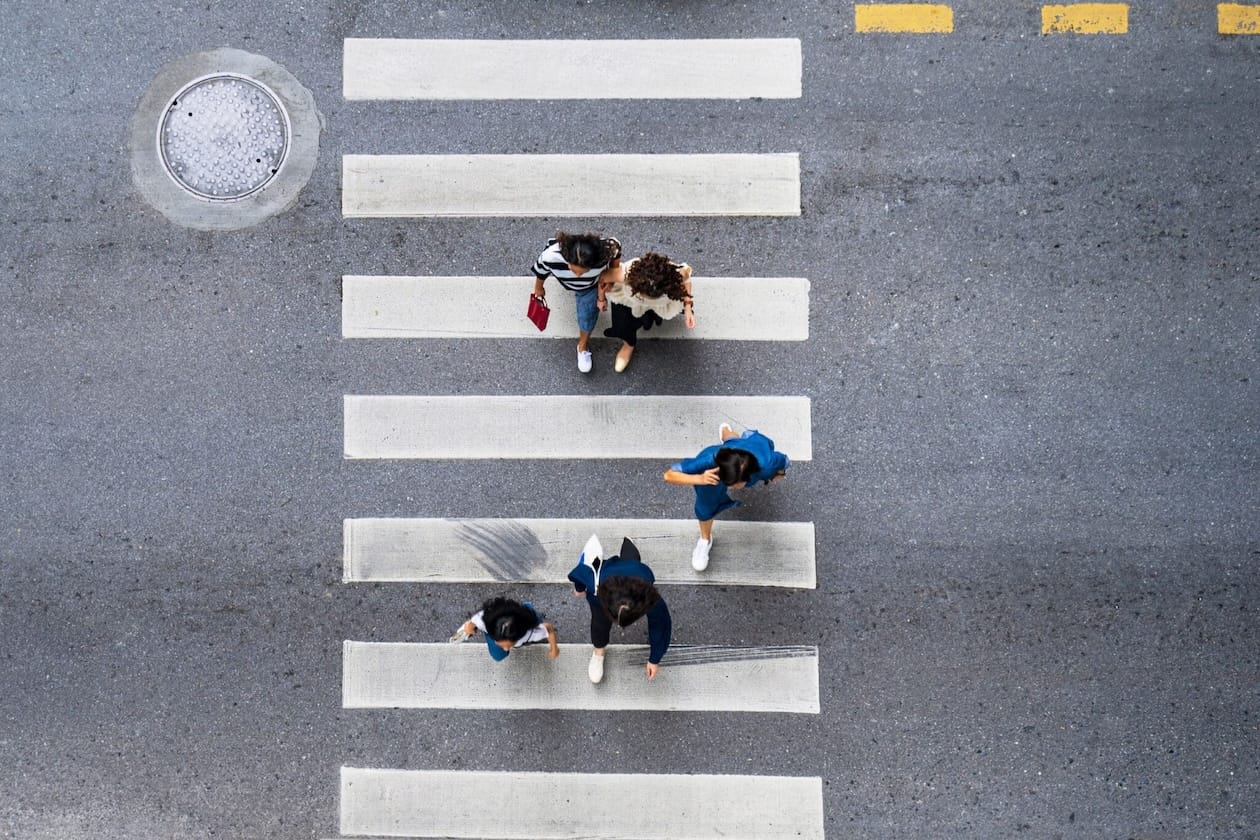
223,137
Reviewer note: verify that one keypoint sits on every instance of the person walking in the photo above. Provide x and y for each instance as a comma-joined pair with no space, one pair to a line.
508,624
742,460
619,590
577,261
644,292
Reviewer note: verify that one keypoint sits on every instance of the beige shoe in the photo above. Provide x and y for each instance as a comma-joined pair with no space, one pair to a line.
623,358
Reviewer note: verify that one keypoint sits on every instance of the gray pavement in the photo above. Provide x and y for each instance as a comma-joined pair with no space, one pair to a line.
1033,360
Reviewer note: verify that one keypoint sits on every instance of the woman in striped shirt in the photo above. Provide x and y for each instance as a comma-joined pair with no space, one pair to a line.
577,261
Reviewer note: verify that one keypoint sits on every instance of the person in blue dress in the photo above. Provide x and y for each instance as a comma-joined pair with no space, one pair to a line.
742,460
619,590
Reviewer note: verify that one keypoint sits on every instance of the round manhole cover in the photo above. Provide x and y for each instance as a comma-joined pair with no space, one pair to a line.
223,137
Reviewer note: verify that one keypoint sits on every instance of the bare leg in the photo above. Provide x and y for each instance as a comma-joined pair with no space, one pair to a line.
706,529
583,340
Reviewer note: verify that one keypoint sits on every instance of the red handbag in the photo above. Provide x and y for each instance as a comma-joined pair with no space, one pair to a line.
538,312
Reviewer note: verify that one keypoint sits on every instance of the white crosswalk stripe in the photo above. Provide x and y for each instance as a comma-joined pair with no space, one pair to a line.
565,806
399,675
544,550
728,308
395,68
592,426
571,185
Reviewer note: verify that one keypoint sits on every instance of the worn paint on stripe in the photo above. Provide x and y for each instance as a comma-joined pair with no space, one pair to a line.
1238,19
395,675
728,308
382,68
590,426
1086,19
563,806
544,550
571,185
903,17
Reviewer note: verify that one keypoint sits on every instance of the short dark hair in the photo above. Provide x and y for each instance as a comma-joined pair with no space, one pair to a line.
507,620
626,599
589,250
735,465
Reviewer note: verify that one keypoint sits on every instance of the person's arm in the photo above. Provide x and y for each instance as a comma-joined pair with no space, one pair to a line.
554,649
539,290
660,629
673,476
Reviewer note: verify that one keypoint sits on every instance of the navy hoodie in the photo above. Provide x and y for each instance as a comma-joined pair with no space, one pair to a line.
628,564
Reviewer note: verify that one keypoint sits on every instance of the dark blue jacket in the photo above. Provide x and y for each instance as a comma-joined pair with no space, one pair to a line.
628,564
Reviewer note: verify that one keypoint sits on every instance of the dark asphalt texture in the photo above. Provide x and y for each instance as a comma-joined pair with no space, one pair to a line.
1033,364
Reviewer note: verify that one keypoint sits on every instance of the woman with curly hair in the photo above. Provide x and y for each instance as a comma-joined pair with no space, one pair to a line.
644,292
508,624
619,590
579,261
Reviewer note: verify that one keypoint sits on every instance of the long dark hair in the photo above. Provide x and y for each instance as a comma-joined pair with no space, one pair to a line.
589,250
507,620
735,465
655,276
626,599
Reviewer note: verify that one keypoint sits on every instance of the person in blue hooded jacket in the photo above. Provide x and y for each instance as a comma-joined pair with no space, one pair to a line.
738,461
620,590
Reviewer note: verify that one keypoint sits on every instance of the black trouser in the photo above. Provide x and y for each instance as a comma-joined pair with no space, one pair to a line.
626,326
601,624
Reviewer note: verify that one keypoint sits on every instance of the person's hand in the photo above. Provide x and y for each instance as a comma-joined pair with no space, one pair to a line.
577,594
689,318
651,670
553,651
601,304
709,477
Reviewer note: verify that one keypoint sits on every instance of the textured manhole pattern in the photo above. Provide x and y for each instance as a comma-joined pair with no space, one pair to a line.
223,137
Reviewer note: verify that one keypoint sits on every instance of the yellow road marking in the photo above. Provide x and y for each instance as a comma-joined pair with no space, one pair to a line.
1237,19
1086,19
903,17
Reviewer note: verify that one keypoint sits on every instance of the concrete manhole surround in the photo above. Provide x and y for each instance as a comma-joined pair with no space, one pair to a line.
224,139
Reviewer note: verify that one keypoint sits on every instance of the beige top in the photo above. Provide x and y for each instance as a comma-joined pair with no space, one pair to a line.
665,307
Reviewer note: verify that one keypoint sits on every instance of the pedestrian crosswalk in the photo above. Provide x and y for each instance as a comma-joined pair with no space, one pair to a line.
695,677
571,185
568,426
680,68
735,309
565,806
400,675
399,550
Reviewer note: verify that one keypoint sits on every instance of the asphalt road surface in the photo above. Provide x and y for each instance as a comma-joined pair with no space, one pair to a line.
1032,365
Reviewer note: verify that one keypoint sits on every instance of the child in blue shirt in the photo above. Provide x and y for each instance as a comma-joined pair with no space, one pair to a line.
507,624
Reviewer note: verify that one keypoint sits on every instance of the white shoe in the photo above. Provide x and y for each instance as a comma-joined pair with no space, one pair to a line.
700,554
584,361
596,669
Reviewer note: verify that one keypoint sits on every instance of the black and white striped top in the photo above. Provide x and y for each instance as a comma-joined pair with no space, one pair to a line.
551,263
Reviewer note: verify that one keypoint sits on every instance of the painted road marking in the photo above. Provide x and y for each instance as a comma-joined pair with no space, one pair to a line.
589,426
729,308
563,806
544,550
903,17
396,675
571,185
1086,19
387,68
1237,19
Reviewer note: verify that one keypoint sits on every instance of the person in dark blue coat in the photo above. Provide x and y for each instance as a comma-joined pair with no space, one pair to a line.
738,461
619,589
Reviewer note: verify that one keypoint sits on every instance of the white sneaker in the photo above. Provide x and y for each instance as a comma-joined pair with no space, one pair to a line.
596,669
700,554
584,361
